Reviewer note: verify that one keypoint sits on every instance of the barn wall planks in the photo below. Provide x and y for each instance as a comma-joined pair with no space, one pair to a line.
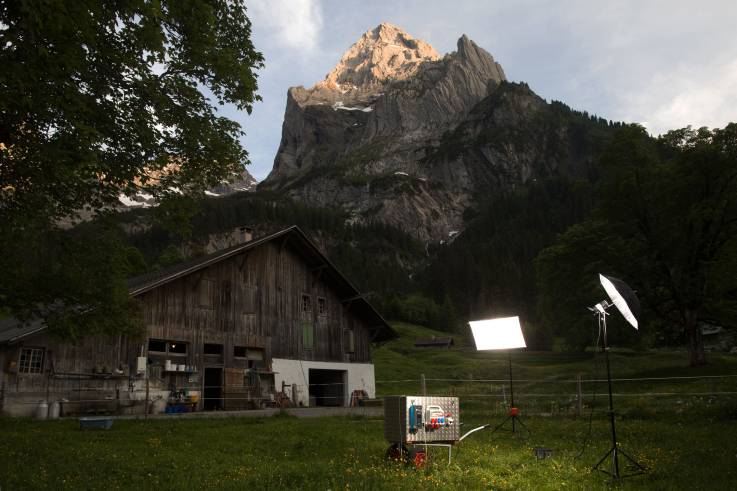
255,299
252,300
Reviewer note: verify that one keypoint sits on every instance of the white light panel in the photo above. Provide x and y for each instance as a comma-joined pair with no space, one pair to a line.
501,333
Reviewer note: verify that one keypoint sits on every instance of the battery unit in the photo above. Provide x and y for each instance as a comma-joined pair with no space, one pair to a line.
417,419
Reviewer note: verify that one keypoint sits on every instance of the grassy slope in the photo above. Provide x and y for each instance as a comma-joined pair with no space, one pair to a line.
691,447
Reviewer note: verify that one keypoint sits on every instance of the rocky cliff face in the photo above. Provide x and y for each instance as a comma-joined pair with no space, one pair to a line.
397,133
243,181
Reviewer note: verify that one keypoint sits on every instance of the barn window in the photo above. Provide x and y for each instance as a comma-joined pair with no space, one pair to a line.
157,345
308,335
349,341
255,354
306,303
31,360
162,347
212,349
321,306
177,348
239,351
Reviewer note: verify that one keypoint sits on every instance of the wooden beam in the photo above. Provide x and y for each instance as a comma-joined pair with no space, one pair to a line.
197,278
283,244
353,298
242,262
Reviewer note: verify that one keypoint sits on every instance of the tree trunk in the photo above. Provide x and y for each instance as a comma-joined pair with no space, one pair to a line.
696,354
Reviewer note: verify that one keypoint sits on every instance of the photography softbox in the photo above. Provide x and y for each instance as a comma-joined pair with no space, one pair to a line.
504,333
498,334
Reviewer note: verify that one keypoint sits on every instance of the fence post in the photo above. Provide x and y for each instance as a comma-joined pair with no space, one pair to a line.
146,408
423,386
579,396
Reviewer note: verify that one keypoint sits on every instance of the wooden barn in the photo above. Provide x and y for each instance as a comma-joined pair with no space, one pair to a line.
262,323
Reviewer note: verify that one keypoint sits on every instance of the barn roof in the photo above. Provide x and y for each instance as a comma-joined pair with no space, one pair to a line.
299,242
12,329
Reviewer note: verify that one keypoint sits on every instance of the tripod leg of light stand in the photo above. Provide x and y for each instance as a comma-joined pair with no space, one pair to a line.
640,468
500,425
513,411
615,450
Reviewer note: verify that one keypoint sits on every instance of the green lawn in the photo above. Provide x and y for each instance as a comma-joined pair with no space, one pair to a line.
342,453
686,442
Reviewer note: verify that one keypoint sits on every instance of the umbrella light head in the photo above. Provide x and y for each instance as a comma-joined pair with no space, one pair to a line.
497,334
623,297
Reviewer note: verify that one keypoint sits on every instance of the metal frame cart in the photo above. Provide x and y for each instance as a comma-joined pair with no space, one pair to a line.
414,423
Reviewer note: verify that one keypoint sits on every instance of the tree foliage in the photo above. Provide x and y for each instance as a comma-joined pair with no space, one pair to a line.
76,281
99,99
666,222
103,98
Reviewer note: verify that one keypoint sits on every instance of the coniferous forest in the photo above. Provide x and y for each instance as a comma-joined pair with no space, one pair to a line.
534,251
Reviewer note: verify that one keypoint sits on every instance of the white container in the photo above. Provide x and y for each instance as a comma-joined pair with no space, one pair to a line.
158,406
141,364
54,410
180,368
167,366
42,410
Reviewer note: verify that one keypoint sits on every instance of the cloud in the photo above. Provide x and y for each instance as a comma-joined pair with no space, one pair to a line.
706,97
291,23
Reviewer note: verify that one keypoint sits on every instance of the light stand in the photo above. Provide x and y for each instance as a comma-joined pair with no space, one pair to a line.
501,334
615,451
513,415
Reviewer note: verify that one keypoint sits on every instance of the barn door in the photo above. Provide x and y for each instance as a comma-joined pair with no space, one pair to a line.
236,391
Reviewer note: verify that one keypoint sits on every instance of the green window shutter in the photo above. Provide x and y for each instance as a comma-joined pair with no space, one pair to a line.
308,335
349,341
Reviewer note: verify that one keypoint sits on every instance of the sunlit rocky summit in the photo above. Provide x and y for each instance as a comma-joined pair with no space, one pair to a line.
395,132
381,56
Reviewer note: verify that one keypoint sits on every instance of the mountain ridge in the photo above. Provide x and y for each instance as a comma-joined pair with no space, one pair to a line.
418,150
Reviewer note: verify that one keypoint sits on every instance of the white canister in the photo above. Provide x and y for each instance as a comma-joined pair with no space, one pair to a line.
180,368
54,410
42,410
167,366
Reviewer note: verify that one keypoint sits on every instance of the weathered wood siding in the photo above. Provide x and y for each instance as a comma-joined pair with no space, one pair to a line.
254,299
67,372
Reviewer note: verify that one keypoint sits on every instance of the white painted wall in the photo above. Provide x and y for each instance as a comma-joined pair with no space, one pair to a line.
359,376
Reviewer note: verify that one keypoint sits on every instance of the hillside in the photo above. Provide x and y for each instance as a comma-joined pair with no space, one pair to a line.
547,378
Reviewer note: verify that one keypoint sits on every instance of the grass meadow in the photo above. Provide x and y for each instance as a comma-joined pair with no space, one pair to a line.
685,441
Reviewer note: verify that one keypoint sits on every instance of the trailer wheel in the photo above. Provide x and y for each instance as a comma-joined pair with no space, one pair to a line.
396,451
417,458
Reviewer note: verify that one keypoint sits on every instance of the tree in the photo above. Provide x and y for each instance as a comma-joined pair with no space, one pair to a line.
99,99
102,98
666,222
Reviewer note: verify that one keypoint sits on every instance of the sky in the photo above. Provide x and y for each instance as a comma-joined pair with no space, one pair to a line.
663,64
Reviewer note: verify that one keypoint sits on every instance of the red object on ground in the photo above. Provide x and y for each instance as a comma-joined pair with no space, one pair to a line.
514,411
418,459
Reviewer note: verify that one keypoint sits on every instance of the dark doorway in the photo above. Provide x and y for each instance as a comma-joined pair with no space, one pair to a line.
327,387
213,389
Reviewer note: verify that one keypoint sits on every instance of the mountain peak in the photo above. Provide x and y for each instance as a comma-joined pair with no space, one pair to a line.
381,54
